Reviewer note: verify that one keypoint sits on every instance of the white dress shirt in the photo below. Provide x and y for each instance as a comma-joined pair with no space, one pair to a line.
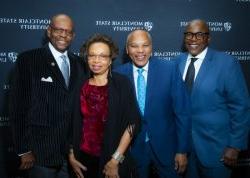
56,54
197,63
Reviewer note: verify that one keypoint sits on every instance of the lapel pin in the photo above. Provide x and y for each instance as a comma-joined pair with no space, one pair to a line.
52,64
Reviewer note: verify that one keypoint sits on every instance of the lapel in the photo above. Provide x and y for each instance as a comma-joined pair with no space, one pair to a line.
182,63
52,65
131,75
203,72
73,71
151,79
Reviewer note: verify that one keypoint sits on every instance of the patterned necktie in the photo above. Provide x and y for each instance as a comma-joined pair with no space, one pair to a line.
141,95
65,69
189,80
141,90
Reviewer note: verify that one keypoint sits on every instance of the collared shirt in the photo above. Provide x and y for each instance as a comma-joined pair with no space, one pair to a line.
56,54
197,63
135,74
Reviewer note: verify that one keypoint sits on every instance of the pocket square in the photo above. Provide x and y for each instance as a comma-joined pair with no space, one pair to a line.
49,79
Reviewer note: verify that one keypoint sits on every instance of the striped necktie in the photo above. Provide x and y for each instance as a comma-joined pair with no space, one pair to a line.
65,69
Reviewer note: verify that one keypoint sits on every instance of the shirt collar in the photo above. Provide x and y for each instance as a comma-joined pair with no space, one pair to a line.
199,56
56,53
135,68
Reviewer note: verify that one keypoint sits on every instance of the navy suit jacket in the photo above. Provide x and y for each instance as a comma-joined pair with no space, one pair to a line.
41,105
219,103
166,116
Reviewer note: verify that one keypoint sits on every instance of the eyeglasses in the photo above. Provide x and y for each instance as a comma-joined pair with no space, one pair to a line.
61,31
198,35
102,57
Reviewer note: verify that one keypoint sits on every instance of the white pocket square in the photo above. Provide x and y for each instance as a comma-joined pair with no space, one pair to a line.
49,79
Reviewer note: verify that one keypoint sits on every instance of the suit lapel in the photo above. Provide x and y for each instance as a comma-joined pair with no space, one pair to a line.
182,63
150,83
203,72
73,71
131,75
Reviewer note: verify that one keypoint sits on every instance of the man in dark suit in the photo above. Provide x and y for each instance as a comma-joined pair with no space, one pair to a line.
164,109
219,103
41,99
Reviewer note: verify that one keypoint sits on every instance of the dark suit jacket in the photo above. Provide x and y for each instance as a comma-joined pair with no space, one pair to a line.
166,116
219,103
122,111
41,105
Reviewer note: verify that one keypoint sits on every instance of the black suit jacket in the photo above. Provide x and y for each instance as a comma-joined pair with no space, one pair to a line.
41,105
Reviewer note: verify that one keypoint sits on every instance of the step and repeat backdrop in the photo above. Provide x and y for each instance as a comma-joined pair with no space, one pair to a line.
23,25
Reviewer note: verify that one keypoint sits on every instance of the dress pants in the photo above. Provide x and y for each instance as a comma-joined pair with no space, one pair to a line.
151,160
49,172
196,170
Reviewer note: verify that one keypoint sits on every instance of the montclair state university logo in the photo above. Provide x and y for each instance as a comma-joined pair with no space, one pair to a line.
125,25
227,26
6,57
12,56
148,26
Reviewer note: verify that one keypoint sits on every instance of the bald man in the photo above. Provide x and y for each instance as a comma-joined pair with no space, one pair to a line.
41,99
219,100
163,140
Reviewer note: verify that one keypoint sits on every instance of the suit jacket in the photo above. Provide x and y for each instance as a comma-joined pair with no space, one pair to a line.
41,105
165,117
218,104
122,111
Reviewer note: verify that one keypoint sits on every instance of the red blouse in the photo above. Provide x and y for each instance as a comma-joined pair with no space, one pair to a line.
94,108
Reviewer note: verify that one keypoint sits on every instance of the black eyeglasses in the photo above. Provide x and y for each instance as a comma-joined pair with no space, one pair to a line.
198,35
61,31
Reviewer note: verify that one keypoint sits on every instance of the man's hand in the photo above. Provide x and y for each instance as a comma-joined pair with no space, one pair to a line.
111,169
230,156
180,162
27,161
77,166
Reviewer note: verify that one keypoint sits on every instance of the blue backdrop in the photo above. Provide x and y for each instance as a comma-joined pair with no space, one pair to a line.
23,25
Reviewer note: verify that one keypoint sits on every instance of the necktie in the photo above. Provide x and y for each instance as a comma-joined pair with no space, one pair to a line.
141,95
189,80
141,90
65,69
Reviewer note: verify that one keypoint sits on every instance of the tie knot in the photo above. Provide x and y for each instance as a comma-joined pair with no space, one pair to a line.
63,57
193,59
140,70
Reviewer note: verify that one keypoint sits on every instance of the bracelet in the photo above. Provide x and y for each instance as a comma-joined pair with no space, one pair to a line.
118,157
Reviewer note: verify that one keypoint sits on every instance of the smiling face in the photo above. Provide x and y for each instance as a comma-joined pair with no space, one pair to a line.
99,59
193,45
139,47
60,32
